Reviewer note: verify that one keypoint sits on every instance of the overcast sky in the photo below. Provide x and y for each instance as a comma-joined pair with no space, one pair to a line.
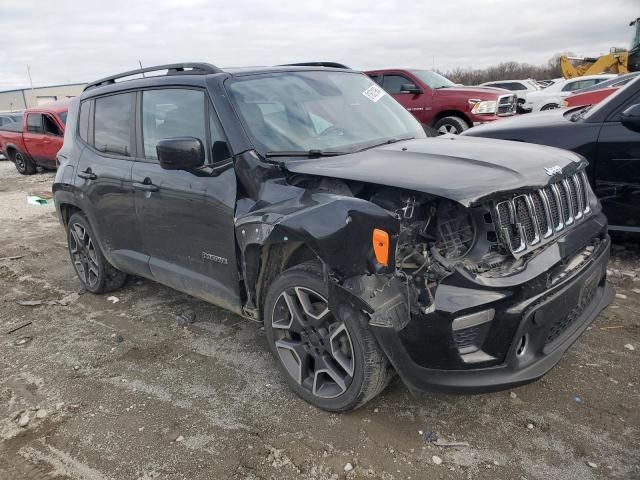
77,41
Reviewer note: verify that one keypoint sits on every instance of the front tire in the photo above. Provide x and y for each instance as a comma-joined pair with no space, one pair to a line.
330,359
23,164
550,106
453,125
96,274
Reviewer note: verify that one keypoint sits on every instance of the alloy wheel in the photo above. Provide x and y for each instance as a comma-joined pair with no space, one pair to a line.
84,255
448,128
20,162
313,345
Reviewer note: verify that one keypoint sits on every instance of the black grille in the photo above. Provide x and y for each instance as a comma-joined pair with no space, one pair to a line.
525,220
466,339
553,207
538,207
564,202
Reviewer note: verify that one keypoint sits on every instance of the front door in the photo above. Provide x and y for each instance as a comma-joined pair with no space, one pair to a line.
43,138
617,176
186,217
413,102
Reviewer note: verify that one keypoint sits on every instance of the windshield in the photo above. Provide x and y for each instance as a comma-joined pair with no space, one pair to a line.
314,110
63,117
433,79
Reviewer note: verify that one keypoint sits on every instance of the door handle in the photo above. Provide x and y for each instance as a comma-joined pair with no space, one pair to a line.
87,174
146,186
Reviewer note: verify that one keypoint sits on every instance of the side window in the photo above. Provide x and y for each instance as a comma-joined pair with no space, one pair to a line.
50,126
515,86
376,77
172,113
34,123
393,83
83,121
112,124
219,147
579,85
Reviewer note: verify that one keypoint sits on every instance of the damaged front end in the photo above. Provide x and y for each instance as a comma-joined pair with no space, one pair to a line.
488,295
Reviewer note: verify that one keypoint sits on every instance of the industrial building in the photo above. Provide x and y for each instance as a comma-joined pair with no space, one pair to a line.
13,100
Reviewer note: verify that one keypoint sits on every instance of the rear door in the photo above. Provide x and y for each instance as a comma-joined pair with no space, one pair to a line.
186,217
617,171
103,178
414,102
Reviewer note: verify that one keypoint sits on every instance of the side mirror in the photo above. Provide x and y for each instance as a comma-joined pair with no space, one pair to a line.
182,153
630,118
410,88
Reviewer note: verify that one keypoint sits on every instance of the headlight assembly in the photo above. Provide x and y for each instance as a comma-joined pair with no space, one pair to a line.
485,106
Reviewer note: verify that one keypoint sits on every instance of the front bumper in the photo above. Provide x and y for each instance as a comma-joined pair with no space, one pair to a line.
532,325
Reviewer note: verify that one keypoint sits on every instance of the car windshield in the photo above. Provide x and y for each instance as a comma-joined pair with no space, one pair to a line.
433,79
63,117
319,111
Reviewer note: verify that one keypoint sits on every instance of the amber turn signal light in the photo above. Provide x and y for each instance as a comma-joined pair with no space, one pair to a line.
381,246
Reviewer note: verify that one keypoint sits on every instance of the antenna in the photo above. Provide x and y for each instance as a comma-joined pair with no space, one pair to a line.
140,63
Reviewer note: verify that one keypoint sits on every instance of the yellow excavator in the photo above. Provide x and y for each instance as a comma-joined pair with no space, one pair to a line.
616,61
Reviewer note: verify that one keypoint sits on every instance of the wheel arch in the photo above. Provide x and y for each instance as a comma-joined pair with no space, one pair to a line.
332,230
11,150
451,113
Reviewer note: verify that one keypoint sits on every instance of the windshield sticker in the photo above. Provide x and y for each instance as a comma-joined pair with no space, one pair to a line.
374,93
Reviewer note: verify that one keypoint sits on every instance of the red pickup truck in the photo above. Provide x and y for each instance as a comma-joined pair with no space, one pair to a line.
437,102
36,140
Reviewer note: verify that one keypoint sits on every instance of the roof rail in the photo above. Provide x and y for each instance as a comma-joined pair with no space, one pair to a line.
172,69
316,64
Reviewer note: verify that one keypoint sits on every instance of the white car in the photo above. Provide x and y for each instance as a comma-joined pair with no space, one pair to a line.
552,96
521,88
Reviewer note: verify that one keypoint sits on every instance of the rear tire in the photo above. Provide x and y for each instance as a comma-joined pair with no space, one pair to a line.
330,359
452,125
23,164
95,273
550,106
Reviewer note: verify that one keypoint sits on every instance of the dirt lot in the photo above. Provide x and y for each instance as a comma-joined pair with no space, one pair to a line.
121,391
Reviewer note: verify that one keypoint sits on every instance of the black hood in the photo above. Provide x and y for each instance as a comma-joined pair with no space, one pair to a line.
463,169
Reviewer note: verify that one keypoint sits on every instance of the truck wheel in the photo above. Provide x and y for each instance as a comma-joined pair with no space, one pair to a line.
454,125
329,358
95,273
550,106
23,164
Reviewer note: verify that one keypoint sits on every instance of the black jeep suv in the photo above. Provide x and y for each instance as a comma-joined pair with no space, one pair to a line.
308,198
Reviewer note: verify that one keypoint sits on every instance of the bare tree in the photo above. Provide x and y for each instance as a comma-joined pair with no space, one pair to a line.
505,71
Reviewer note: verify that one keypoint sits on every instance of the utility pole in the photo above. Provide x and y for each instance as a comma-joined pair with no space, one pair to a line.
30,83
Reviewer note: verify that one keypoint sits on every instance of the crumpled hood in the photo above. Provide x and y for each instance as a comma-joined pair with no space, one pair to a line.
463,169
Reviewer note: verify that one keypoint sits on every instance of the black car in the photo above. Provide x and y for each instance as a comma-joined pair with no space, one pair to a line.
307,198
606,134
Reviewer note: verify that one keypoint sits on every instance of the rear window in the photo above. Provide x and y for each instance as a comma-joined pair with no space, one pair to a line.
63,117
83,122
112,124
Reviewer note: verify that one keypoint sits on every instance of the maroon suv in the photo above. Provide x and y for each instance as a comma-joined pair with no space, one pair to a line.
439,103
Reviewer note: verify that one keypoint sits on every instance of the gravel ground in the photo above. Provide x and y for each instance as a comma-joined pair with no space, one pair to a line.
108,389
